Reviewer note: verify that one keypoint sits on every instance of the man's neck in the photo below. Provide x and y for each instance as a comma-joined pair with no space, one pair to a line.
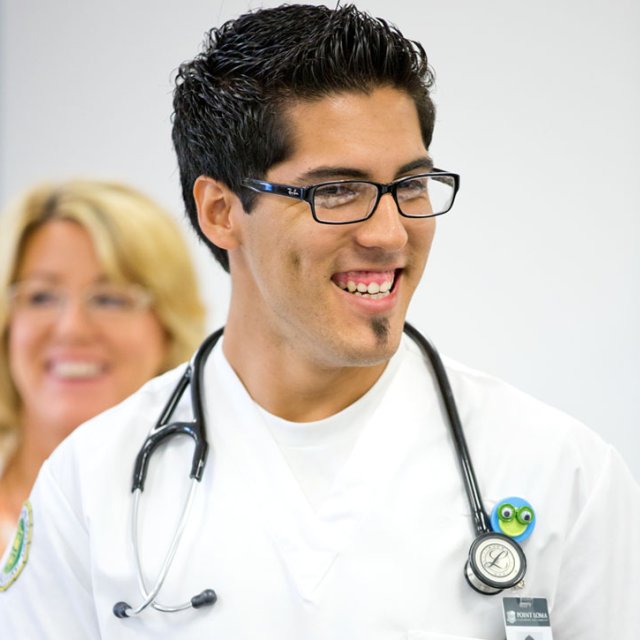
292,385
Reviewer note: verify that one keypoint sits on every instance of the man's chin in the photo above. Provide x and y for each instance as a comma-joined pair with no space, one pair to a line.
379,349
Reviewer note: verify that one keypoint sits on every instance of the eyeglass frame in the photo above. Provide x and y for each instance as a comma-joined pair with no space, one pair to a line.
144,298
307,193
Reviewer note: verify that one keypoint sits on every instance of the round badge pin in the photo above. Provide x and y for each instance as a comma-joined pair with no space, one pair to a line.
513,517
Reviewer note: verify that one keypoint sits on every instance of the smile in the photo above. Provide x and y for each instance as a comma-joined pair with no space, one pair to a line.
75,369
368,284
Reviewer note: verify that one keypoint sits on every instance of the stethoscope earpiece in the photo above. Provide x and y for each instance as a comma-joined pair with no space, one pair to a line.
120,609
205,599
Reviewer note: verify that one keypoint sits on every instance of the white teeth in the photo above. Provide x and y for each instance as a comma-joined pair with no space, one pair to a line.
372,290
76,369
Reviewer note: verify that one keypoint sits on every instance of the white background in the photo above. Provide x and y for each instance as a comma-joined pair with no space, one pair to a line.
534,275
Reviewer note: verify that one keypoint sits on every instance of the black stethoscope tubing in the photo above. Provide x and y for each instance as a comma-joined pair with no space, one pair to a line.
480,518
479,578
195,428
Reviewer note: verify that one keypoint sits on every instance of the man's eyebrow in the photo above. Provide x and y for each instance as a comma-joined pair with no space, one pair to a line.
426,164
341,173
332,173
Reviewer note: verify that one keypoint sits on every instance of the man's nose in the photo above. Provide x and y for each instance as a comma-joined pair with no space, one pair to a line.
385,228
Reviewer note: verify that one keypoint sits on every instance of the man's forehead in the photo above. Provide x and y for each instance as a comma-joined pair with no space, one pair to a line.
355,134
341,104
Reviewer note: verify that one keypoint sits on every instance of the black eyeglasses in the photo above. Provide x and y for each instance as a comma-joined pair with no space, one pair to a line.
346,201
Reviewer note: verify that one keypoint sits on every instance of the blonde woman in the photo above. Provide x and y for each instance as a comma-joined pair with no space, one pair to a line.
98,296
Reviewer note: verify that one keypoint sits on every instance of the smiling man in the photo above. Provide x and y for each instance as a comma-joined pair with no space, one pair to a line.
323,305
331,505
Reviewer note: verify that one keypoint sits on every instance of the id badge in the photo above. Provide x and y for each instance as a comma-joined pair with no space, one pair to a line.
526,619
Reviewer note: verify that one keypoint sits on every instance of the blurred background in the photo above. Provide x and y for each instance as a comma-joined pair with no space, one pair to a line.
534,276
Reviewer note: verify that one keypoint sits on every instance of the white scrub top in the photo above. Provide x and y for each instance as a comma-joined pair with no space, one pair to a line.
382,555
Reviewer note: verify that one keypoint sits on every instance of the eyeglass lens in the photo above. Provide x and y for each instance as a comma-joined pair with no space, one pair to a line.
416,197
45,301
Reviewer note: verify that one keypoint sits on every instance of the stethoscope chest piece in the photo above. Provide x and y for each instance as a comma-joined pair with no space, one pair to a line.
496,562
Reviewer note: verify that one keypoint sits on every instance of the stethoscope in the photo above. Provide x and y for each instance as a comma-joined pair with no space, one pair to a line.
495,562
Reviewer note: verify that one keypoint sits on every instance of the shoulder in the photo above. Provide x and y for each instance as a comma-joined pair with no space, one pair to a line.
101,447
479,394
506,427
130,419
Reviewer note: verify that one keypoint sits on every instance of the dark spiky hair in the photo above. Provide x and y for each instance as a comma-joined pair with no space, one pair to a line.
229,101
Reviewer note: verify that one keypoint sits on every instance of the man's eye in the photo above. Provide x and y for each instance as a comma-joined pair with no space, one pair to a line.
336,195
413,189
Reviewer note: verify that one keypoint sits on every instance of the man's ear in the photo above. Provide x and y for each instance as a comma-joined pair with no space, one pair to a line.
215,203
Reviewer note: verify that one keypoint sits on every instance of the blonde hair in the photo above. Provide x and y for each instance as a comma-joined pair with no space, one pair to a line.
136,241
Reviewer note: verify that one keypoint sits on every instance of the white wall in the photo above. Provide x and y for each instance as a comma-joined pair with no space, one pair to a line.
534,275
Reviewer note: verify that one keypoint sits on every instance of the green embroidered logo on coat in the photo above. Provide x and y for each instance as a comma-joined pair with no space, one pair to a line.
18,555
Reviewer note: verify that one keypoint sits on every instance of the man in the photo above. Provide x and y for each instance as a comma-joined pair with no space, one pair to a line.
332,503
